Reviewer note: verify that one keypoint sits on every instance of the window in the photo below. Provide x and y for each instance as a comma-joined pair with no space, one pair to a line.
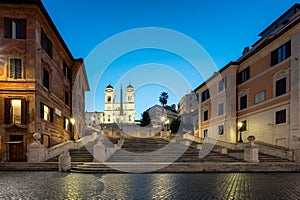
108,118
205,115
243,102
109,99
66,124
15,68
205,133
46,78
260,97
280,87
281,53
46,43
280,117
221,129
221,85
129,118
46,112
15,28
205,95
67,71
243,76
221,109
15,111
67,99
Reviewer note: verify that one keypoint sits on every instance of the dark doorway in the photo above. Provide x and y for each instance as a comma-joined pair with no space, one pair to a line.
16,149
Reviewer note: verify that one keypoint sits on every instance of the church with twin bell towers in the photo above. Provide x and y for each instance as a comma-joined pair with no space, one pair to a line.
119,112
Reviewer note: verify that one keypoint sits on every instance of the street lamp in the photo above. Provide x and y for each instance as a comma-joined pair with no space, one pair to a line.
72,120
240,126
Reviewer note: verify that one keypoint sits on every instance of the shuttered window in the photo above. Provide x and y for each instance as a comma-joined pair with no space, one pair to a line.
46,43
280,87
46,81
15,68
46,112
281,53
15,111
15,28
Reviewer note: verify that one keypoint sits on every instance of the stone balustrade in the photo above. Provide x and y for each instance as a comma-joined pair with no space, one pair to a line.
39,153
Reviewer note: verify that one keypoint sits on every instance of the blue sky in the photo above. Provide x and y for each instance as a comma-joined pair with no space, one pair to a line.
222,28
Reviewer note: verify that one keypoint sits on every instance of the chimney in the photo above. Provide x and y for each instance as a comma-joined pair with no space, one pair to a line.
246,50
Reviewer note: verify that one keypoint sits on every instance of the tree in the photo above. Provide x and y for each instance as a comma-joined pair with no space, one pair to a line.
174,126
163,98
146,120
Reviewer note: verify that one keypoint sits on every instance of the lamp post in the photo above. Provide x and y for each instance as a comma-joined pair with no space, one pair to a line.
240,126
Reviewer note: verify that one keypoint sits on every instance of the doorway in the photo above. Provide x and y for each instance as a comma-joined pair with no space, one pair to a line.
16,148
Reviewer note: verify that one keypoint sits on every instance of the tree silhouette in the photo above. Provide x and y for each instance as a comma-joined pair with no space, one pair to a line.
163,98
146,120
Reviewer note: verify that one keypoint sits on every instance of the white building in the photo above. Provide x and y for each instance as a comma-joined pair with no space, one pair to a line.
160,115
188,103
119,112
94,118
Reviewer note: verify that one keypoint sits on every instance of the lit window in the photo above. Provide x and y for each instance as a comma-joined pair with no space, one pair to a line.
16,111
66,124
46,113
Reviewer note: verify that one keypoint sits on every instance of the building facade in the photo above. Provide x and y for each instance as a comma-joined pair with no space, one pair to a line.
162,115
258,94
119,112
38,81
93,119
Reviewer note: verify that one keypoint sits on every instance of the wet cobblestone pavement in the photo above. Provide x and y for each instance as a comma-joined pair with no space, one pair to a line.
55,185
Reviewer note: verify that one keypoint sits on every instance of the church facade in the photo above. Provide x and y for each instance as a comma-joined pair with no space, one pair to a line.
119,112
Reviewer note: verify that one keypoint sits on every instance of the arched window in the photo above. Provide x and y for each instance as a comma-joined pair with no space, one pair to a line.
108,118
129,118
109,99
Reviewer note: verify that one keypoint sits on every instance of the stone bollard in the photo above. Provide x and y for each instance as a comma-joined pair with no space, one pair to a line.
251,151
99,152
297,155
64,162
224,151
36,152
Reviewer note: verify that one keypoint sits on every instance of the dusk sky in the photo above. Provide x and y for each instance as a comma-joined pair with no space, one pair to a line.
222,28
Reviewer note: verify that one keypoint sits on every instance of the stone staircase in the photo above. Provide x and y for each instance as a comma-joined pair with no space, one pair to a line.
156,154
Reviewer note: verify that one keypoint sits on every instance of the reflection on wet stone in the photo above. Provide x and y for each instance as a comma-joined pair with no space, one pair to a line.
55,185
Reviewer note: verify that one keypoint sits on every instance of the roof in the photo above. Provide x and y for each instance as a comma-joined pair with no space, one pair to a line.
46,15
109,86
130,86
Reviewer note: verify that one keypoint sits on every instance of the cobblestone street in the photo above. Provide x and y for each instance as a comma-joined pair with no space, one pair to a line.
55,185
